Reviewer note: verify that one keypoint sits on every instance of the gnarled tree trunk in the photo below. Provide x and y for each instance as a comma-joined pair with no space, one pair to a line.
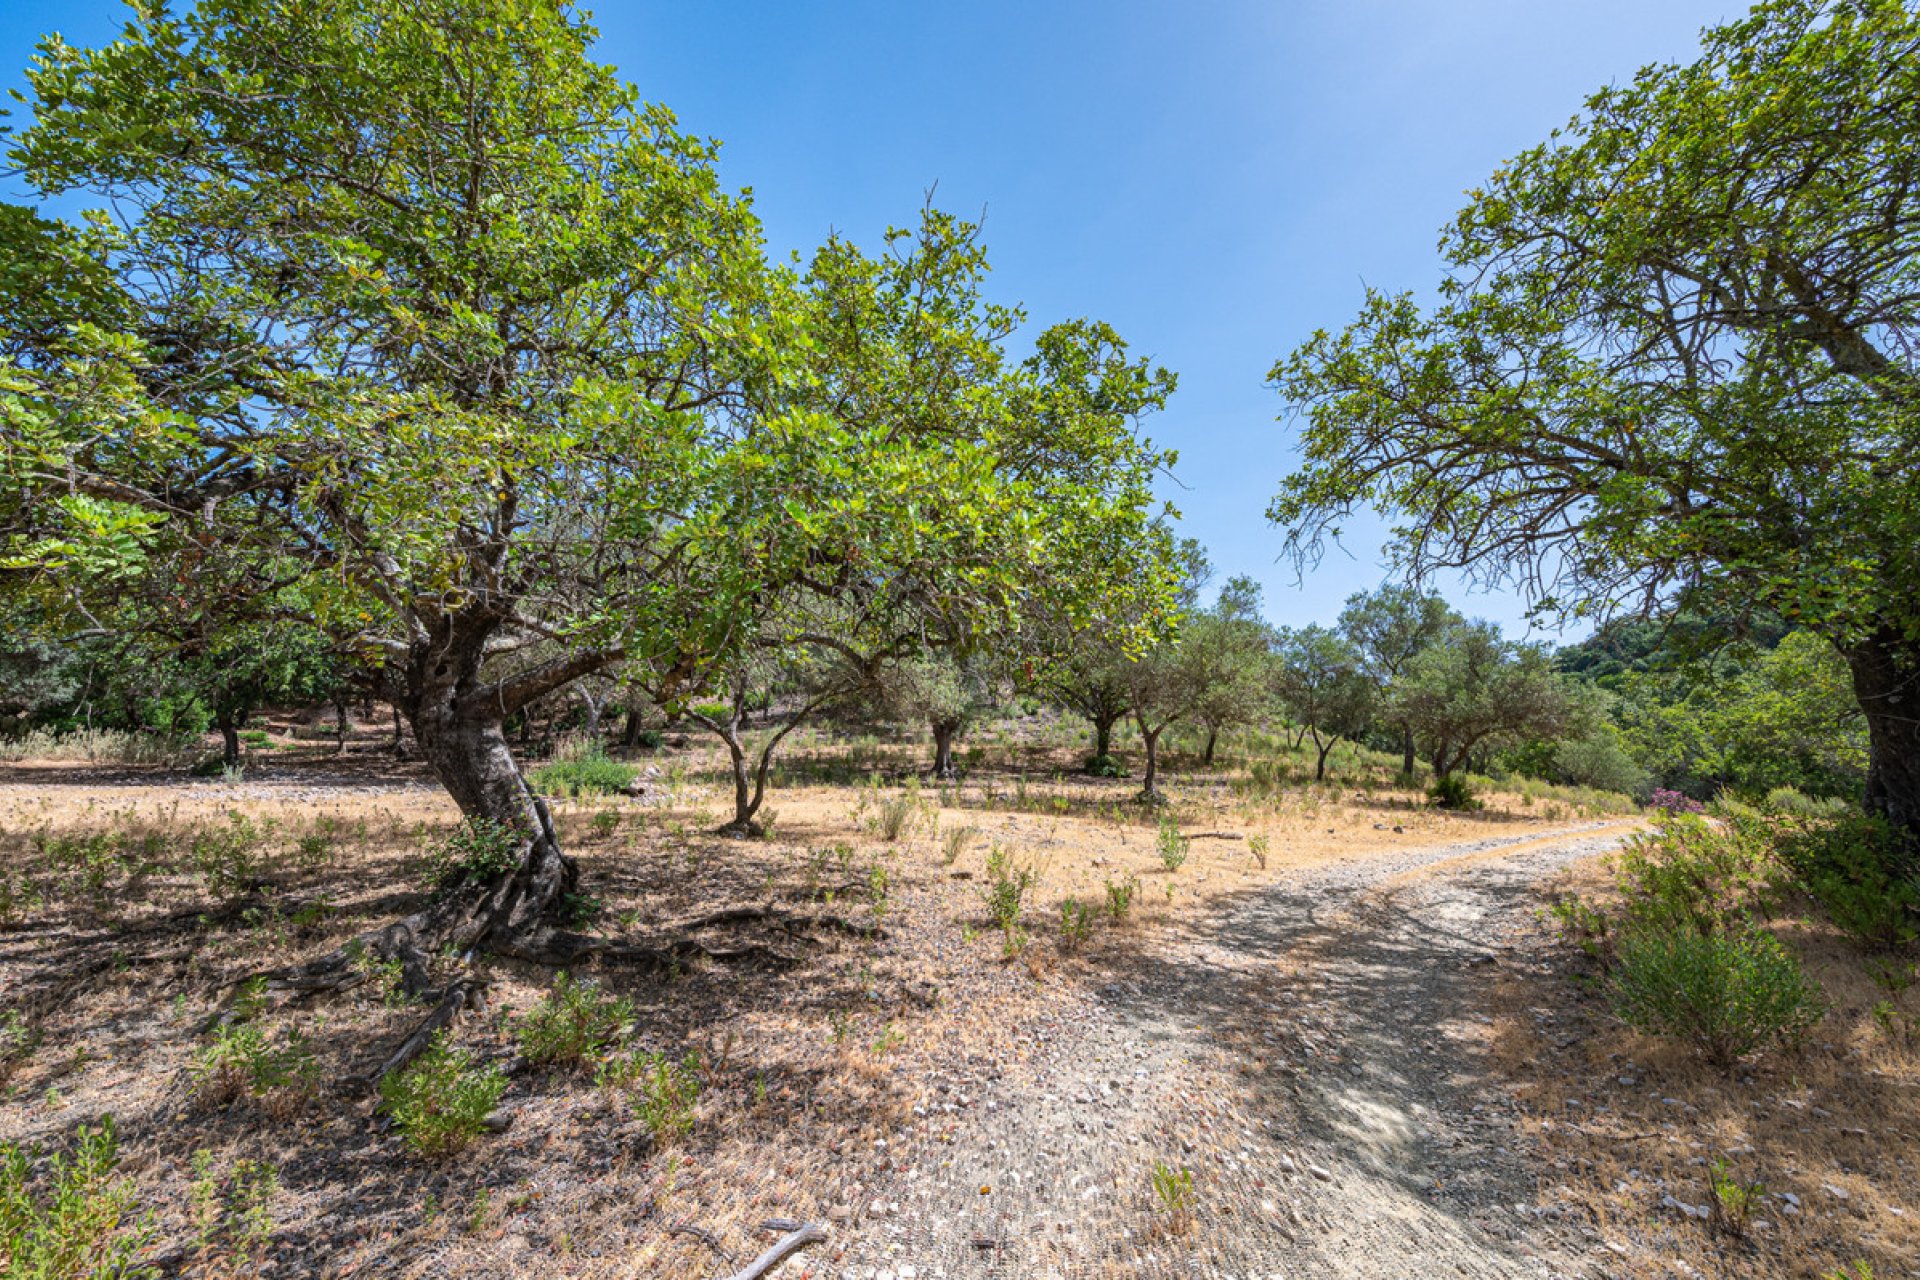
1886,681
943,750
1103,735
1213,736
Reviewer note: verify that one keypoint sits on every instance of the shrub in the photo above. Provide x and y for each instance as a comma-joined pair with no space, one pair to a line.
664,1092
441,1102
1076,923
1006,888
1452,792
1787,802
1171,845
589,774
1120,896
81,1225
1104,767
1733,1201
1702,874
1858,871
571,1022
475,852
242,1061
954,842
1675,802
1727,993
228,857
1257,845
1173,1190
650,739
896,816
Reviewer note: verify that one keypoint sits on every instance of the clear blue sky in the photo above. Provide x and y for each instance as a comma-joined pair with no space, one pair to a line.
1215,179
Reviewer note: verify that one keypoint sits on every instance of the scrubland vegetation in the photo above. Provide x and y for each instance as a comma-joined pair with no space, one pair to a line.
541,737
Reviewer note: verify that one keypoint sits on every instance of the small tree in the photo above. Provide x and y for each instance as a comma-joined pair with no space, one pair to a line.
1230,648
1475,690
1321,676
942,692
1389,627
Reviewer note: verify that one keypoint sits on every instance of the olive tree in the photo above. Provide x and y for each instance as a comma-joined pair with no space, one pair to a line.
1388,627
1321,677
1670,366
1474,691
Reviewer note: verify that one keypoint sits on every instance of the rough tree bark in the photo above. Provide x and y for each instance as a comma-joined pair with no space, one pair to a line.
1886,682
1213,736
1406,751
1103,735
943,734
229,728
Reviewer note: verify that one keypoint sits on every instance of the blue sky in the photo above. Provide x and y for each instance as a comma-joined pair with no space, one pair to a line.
1215,179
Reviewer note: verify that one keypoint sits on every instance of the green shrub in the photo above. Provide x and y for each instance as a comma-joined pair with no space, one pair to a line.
1699,873
591,774
1104,767
1006,888
473,853
441,1102
80,1223
1120,896
1452,792
1171,845
1787,802
954,842
1728,992
663,1092
572,1022
1858,870
650,739
243,1061
229,857
1076,923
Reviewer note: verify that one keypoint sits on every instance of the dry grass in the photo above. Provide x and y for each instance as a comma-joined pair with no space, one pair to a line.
814,1082
1626,1121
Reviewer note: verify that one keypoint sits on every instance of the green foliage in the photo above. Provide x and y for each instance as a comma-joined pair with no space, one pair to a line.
233,1216
1451,791
1867,880
1007,888
440,1102
571,1023
1108,766
663,1092
1120,896
1173,1191
242,1060
587,775
1258,844
1727,993
473,853
1698,873
231,856
79,1222
1171,845
954,842
1734,1201
1076,923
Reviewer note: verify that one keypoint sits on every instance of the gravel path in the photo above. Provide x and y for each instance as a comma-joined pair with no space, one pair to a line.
1314,1053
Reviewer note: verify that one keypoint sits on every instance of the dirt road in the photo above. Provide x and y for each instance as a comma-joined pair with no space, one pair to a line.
1314,1053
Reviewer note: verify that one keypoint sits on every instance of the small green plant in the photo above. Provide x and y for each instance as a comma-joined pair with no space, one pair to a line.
79,1223
895,817
441,1102
588,774
605,822
228,857
1104,767
1173,1194
840,1027
473,853
1728,993
1120,896
1863,875
1733,1201
954,842
1171,845
1452,792
572,1023
1859,1269
233,1218
1007,888
1257,845
877,884
1076,923
890,1038
241,1060
664,1095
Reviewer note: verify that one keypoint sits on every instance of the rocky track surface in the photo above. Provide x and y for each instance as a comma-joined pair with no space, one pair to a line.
1314,1053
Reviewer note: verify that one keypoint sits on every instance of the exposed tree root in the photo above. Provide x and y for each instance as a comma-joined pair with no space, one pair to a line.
460,994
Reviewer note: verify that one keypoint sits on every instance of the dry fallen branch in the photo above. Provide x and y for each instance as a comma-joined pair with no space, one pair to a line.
787,1244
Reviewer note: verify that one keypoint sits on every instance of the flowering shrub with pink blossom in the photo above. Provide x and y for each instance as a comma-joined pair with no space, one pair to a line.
1675,802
